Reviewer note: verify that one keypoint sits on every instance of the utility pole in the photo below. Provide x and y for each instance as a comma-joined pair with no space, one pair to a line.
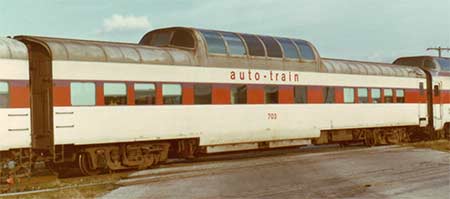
439,49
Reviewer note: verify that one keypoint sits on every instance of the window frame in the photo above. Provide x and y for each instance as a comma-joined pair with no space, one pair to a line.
380,97
202,33
284,52
228,47
277,93
353,95
305,92
172,83
84,82
384,95
325,94
360,96
154,97
248,46
302,58
126,93
210,93
271,39
238,86
397,96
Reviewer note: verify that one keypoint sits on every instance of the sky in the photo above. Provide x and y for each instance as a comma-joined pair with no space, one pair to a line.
370,30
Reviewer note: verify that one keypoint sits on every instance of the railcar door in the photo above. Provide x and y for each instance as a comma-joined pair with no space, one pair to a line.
437,105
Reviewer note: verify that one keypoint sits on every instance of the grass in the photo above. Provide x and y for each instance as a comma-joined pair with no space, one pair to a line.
45,182
439,145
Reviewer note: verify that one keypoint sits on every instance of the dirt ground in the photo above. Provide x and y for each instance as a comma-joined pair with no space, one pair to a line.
377,172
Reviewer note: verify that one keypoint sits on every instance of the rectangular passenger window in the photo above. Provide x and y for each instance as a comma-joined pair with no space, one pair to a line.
328,95
388,98
349,95
270,94
301,94
376,95
115,93
144,93
171,93
4,95
238,94
421,88
82,93
214,41
363,95
400,95
202,94
436,90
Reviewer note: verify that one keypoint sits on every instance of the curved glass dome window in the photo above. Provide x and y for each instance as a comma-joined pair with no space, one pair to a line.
161,38
306,51
183,39
214,41
444,63
235,44
255,47
290,51
273,48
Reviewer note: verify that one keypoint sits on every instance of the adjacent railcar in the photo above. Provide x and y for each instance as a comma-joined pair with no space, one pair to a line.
15,132
184,91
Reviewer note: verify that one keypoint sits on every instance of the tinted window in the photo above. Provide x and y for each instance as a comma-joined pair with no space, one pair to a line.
400,95
388,98
363,95
82,93
161,39
349,95
301,94
238,94
115,93
290,51
273,48
271,94
202,94
235,45
171,93
214,41
376,95
4,95
144,93
255,47
445,63
306,51
436,90
421,88
183,39
328,95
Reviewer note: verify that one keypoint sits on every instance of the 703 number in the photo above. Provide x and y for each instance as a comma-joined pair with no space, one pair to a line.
271,116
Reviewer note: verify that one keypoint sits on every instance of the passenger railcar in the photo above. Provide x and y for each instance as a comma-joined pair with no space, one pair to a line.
181,92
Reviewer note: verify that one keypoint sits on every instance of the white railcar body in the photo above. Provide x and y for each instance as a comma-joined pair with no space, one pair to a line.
221,124
14,122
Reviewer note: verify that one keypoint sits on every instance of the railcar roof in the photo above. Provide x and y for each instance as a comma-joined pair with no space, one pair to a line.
12,49
369,68
99,51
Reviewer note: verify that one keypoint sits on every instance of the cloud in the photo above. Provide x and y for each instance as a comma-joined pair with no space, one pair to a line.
121,23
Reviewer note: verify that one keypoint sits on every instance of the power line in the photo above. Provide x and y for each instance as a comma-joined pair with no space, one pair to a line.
439,49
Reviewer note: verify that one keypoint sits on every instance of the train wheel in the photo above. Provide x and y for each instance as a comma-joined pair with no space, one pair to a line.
84,165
